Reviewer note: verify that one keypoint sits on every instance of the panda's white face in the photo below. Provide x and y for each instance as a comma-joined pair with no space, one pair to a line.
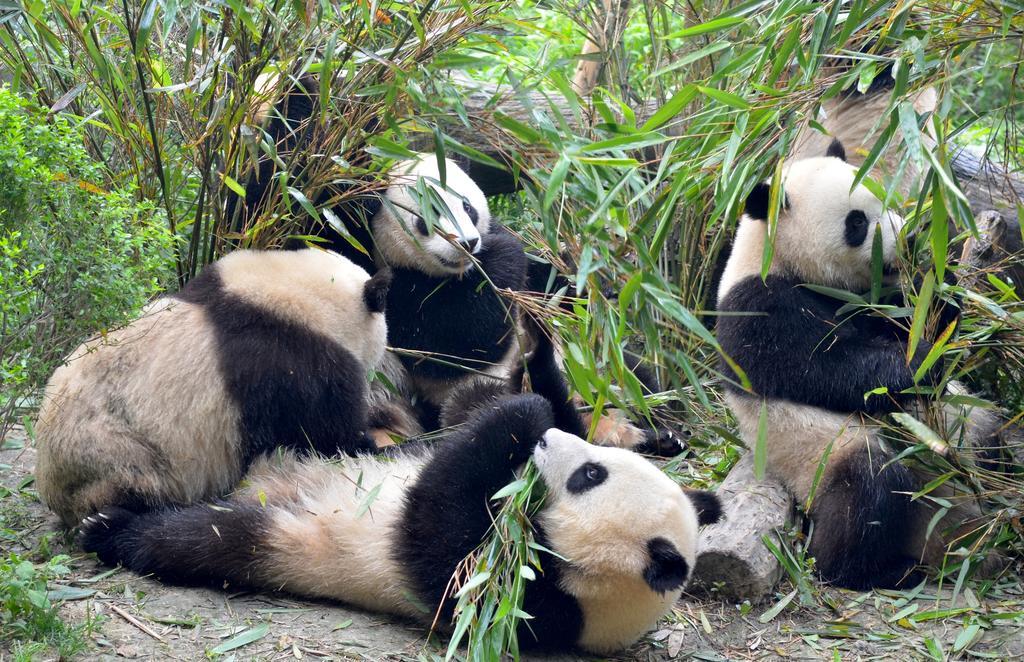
825,232
605,503
402,229
627,531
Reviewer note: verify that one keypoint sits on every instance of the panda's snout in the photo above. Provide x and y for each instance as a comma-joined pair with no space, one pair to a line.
470,245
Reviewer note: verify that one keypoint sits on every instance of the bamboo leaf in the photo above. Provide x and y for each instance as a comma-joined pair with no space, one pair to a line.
924,433
761,444
777,608
243,639
877,264
512,488
939,231
924,300
474,581
725,97
555,181
715,25
303,201
671,108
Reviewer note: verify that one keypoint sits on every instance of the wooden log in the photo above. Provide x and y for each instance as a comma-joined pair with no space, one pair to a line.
732,557
989,187
997,249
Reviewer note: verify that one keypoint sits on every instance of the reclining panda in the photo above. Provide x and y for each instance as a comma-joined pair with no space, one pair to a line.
389,533
815,368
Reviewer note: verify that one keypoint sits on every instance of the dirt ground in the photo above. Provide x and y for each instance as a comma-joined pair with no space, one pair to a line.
141,618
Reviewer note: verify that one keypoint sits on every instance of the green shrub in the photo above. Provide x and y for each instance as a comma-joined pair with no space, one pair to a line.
74,258
28,616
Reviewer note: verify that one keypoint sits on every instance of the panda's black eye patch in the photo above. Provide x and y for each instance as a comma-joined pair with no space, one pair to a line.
856,228
420,224
586,477
470,211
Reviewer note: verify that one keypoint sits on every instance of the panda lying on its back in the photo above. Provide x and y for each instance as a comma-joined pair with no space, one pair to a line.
263,349
812,367
388,534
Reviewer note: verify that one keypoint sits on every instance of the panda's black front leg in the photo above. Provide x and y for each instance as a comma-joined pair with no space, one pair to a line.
447,511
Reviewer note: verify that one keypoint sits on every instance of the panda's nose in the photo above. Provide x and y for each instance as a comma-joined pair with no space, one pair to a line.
470,244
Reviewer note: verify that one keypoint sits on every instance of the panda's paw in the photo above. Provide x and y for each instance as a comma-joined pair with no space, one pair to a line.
660,443
101,532
522,418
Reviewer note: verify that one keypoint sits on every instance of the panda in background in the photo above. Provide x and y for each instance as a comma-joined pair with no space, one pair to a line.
285,113
812,366
622,535
859,119
262,350
451,330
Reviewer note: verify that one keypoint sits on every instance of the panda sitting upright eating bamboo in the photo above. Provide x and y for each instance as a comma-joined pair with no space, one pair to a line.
449,262
818,373
452,330
391,533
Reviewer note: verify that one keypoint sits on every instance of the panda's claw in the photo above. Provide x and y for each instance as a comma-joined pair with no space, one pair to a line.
660,443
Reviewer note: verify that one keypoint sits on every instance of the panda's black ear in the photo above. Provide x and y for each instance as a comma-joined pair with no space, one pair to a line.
757,202
709,507
836,149
667,569
375,291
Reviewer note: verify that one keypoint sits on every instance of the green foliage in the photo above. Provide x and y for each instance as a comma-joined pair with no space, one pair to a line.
27,614
490,584
173,90
633,191
74,258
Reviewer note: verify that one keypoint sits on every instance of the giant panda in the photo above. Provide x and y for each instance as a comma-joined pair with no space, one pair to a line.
390,533
453,330
264,349
449,328
446,316
814,367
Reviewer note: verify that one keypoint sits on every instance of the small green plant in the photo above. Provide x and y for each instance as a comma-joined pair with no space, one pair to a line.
790,548
29,617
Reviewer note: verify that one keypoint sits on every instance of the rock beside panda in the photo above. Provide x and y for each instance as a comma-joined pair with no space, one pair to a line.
262,350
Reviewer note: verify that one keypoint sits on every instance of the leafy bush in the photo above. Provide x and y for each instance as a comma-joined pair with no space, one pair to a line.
28,615
74,258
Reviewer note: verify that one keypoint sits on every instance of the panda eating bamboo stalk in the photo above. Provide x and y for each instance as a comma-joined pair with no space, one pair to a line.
388,531
451,329
820,375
